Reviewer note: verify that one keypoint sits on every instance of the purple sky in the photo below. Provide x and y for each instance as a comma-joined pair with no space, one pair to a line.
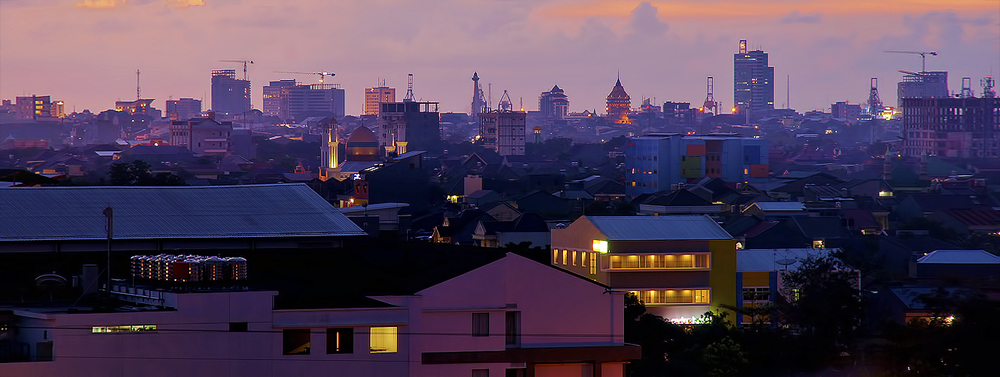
85,52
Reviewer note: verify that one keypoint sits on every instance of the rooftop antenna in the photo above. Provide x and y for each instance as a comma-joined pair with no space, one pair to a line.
874,103
988,83
710,98
138,93
966,88
409,88
788,91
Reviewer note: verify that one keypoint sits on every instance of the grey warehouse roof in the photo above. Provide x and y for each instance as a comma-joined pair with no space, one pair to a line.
959,257
648,228
76,213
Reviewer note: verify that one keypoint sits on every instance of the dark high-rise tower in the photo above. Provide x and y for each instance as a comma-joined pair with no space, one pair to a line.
230,96
753,82
478,101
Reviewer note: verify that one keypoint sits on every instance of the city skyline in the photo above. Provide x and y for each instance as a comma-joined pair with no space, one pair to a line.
84,52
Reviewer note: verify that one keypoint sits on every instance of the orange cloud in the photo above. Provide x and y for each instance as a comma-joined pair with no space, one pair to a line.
100,4
185,3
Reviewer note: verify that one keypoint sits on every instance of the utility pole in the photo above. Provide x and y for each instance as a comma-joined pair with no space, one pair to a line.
109,214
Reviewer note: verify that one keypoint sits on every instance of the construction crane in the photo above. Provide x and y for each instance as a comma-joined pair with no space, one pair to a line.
923,57
322,75
245,63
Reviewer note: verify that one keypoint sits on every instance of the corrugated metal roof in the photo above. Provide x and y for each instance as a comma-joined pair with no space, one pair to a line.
76,213
780,206
755,260
959,257
639,228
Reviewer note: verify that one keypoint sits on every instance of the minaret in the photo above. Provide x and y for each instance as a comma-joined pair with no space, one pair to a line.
330,150
478,102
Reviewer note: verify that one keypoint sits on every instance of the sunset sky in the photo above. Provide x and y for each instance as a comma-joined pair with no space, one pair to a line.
85,52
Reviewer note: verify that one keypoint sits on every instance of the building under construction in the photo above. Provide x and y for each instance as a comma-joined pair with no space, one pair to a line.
951,127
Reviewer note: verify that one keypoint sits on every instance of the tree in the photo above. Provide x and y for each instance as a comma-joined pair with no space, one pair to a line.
137,174
824,302
126,174
724,358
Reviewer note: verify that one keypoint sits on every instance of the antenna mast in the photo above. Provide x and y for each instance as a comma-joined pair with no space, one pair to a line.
138,93
409,88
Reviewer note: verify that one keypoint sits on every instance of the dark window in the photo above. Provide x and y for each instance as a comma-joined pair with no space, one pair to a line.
480,373
513,329
340,340
238,326
480,324
295,342
520,372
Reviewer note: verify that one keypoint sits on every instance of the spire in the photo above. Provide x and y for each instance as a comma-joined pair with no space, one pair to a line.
619,83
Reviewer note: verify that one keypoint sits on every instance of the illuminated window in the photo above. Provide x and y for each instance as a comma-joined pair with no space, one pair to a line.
340,340
555,256
572,258
593,263
564,257
122,328
600,246
295,341
818,244
659,261
673,296
383,339
583,258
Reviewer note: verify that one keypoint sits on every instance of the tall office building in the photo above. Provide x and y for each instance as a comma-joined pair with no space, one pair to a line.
302,101
272,96
408,126
291,101
655,162
553,104
619,105
502,130
753,82
183,109
230,96
376,96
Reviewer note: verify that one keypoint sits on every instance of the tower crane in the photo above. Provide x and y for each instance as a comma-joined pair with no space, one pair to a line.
923,57
245,63
322,75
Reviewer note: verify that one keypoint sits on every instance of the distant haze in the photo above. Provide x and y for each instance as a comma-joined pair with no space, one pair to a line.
85,52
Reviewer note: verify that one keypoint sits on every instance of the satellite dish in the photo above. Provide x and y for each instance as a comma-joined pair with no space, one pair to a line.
784,262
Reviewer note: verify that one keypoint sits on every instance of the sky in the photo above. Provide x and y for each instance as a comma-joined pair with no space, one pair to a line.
86,52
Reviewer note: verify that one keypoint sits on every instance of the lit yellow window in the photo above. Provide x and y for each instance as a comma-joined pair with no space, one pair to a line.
564,254
555,256
383,339
583,258
573,258
593,263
